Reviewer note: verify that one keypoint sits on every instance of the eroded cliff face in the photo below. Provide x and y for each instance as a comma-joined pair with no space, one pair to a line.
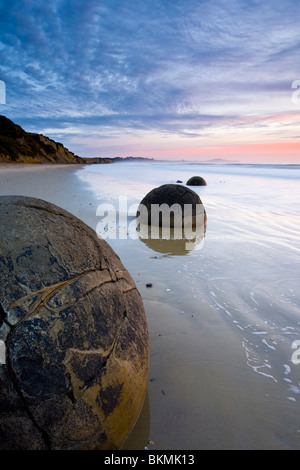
17,145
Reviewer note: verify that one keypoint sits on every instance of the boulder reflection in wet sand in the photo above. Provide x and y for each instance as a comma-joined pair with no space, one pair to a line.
172,219
171,245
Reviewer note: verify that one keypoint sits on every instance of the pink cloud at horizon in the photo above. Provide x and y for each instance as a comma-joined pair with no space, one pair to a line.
275,152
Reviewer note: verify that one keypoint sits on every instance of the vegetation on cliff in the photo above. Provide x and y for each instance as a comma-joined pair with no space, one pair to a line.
17,145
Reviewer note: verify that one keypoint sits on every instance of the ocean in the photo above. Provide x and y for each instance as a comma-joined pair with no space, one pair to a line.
223,317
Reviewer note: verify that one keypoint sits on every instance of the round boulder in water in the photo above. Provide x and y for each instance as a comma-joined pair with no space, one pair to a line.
74,345
196,181
171,205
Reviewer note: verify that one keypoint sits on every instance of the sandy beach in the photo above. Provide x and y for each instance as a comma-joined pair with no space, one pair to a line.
213,382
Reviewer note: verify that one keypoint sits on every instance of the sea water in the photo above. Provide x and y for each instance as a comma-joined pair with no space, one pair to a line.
224,317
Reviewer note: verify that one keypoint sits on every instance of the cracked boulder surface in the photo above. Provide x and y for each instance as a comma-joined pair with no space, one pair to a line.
74,346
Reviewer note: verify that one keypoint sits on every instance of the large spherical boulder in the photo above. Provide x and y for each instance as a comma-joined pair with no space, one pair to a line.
196,181
73,334
171,205
171,219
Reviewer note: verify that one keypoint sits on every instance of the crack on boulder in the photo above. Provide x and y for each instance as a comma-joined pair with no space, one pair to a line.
105,355
48,292
18,390
2,315
70,395
3,318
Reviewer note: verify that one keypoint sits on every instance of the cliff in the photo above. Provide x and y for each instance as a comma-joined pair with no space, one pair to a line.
17,145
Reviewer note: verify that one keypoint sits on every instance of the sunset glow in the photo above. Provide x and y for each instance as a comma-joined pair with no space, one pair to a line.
277,152
193,80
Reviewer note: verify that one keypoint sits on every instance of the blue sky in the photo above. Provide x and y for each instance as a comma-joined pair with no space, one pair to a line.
180,79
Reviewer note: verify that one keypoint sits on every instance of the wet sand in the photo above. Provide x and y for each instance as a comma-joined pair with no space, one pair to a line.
203,392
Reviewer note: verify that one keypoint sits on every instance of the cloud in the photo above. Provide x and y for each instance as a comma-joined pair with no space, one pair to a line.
168,66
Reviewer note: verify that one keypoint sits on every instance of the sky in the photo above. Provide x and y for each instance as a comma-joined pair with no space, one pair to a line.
190,80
